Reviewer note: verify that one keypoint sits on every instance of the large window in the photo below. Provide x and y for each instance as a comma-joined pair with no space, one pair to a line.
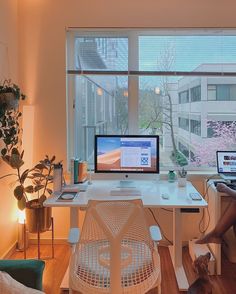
148,82
222,92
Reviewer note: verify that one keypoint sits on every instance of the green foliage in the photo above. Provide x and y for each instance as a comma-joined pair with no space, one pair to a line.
40,175
9,87
179,158
10,94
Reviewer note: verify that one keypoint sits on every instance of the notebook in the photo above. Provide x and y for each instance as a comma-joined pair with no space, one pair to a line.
226,164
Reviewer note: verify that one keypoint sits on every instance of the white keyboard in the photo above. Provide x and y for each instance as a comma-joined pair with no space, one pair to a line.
125,192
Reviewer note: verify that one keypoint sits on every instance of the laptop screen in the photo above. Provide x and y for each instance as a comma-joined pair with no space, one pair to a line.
226,162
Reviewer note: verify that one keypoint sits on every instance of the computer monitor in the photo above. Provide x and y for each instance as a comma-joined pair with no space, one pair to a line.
226,164
126,154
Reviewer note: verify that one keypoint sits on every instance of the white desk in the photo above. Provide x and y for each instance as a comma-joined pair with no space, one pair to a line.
151,196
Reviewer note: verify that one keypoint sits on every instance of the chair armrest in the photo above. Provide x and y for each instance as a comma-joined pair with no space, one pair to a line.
28,272
73,237
155,233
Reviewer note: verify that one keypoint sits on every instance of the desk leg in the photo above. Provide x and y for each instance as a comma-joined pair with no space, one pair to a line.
74,217
176,251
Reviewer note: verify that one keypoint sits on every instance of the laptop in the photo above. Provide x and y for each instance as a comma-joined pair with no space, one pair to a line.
226,164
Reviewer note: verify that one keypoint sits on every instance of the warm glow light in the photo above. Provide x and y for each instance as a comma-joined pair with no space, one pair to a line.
157,90
126,93
21,216
99,91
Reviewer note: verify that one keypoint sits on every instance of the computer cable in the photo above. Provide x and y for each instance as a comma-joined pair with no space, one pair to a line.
201,222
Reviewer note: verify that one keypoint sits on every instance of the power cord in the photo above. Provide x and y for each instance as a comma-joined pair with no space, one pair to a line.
206,197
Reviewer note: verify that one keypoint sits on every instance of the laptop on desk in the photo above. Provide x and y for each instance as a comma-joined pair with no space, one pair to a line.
226,164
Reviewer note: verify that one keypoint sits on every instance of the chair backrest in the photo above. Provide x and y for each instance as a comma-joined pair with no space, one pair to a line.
115,250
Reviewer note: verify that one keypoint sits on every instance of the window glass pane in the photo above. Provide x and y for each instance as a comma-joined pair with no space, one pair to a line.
211,92
96,53
101,107
222,92
188,52
233,92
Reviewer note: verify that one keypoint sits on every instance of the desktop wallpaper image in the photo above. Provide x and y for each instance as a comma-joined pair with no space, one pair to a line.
109,156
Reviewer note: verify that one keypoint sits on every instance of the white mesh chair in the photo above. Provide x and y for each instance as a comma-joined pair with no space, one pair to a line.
115,253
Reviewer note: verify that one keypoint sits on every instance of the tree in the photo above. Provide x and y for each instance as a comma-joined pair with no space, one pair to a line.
160,108
224,138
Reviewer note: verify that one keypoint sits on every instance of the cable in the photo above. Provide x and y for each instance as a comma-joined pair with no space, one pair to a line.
169,210
162,232
201,222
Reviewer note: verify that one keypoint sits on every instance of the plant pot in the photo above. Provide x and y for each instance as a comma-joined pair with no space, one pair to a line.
38,218
182,182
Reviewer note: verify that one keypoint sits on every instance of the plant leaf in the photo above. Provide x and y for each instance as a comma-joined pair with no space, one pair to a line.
37,175
16,161
24,176
39,166
29,189
4,151
21,203
15,151
49,191
38,187
22,154
19,192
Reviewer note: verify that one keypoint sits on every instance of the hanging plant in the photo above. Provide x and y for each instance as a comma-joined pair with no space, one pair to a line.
10,94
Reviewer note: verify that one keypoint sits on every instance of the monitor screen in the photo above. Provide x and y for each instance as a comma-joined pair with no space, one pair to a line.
126,154
226,161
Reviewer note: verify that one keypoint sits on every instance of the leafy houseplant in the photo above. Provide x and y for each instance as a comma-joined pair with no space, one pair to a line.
10,94
29,183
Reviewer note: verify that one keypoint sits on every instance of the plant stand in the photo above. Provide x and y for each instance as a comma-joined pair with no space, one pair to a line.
38,239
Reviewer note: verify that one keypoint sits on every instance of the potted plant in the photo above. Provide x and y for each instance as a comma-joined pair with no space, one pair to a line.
31,185
10,94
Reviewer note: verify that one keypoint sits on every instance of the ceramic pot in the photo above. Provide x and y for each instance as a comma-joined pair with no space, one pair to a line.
182,182
38,218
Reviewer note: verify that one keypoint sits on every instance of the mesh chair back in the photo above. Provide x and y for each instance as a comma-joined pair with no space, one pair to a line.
115,253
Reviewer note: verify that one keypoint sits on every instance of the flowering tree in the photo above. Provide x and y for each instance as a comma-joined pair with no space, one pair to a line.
224,138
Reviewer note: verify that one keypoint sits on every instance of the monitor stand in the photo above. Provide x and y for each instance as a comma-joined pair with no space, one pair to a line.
126,184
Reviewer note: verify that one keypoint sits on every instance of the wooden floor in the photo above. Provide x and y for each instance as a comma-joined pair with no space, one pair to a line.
55,270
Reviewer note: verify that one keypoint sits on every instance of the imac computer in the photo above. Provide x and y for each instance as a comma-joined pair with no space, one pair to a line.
126,154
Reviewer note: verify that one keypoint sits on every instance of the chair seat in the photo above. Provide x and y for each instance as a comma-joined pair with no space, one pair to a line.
94,261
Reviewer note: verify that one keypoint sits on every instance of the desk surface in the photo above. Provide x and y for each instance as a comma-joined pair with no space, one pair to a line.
151,192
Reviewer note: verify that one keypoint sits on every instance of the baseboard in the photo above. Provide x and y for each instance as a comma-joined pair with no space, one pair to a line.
48,241
9,252
196,250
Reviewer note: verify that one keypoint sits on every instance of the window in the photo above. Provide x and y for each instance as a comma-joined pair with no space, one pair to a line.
183,97
222,92
195,94
195,127
132,81
184,123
